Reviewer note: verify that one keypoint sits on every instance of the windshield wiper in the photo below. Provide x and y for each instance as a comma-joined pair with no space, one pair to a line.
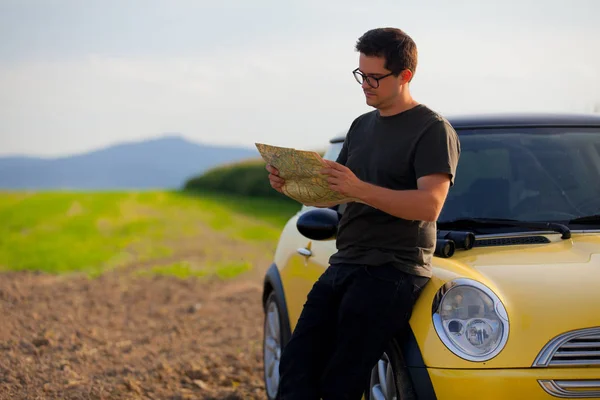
492,222
588,219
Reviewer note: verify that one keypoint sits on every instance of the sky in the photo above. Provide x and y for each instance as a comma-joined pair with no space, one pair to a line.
77,75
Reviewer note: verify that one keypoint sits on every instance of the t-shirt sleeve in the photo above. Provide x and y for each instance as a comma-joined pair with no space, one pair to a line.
343,156
437,151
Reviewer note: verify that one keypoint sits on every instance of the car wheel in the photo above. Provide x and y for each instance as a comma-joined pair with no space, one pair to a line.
272,345
389,377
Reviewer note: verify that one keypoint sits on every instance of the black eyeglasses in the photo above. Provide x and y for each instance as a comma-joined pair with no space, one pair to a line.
371,80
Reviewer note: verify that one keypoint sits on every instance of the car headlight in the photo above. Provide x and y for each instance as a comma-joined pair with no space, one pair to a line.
470,320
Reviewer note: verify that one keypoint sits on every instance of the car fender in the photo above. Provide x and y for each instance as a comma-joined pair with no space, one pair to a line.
415,366
272,283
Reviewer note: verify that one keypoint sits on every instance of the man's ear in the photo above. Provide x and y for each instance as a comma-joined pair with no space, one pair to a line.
406,75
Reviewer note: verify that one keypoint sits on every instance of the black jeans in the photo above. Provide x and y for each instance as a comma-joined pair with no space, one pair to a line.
350,316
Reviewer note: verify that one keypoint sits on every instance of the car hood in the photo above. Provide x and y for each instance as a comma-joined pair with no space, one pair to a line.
547,289
563,274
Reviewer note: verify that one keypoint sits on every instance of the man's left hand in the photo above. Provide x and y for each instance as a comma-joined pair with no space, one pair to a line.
342,179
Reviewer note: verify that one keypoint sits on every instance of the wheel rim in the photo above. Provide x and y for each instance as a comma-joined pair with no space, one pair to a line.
383,385
272,349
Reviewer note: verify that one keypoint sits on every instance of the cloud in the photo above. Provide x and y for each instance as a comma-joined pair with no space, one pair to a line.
231,97
267,71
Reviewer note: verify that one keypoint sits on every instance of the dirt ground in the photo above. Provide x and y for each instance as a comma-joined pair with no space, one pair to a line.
124,336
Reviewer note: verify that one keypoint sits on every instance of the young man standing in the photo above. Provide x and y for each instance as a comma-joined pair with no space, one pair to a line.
398,163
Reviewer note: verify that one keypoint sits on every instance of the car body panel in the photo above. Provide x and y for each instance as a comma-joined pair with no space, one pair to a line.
530,280
502,384
300,272
558,264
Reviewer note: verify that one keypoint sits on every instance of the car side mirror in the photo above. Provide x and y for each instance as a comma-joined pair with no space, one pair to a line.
319,224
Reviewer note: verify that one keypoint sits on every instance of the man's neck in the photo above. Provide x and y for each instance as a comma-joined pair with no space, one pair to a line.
403,103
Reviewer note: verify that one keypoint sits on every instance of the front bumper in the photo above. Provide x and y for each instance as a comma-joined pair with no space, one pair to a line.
516,384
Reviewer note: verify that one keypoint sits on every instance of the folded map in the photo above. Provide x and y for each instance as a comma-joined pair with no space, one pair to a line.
301,171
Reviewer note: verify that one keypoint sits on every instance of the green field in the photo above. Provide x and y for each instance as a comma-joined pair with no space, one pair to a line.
170,233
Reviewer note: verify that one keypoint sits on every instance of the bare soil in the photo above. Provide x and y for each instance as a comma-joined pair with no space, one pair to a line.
126,336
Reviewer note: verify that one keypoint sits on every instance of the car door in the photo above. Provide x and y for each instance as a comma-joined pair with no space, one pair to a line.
307,261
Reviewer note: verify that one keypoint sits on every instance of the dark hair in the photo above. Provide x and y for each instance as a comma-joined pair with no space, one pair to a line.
398,49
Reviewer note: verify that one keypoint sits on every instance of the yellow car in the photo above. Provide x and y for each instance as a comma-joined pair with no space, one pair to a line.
513,308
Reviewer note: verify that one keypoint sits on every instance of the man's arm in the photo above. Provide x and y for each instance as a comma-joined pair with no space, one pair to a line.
423,204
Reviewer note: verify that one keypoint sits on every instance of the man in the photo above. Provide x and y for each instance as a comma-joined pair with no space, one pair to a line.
397,164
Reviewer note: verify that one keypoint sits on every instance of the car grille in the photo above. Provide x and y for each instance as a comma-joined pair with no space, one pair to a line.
579,348
572,389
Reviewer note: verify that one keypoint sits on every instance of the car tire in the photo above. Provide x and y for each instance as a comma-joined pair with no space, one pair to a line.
272,344
389,378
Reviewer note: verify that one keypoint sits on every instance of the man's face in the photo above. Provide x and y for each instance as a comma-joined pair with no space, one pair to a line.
389,86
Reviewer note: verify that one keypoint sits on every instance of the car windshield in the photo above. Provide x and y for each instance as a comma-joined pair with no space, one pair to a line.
526,174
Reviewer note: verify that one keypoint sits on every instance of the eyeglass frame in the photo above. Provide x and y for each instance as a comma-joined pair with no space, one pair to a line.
368,78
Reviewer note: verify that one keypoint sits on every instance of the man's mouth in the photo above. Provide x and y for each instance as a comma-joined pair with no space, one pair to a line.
369,94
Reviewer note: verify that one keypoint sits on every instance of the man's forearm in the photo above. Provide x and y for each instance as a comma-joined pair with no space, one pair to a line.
415,204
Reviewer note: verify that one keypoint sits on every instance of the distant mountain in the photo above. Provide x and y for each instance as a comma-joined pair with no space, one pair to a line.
162,163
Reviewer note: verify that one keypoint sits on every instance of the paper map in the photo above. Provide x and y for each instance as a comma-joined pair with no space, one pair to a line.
301,171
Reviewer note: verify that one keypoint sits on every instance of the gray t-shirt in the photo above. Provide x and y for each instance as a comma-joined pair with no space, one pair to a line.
393,152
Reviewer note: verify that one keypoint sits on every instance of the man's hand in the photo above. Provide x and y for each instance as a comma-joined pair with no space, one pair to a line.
276,181
342,179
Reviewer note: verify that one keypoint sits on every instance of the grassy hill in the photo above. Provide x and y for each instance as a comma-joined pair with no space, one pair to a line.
168,231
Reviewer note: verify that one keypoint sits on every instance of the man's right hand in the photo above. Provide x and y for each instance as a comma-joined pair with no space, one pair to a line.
274,178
